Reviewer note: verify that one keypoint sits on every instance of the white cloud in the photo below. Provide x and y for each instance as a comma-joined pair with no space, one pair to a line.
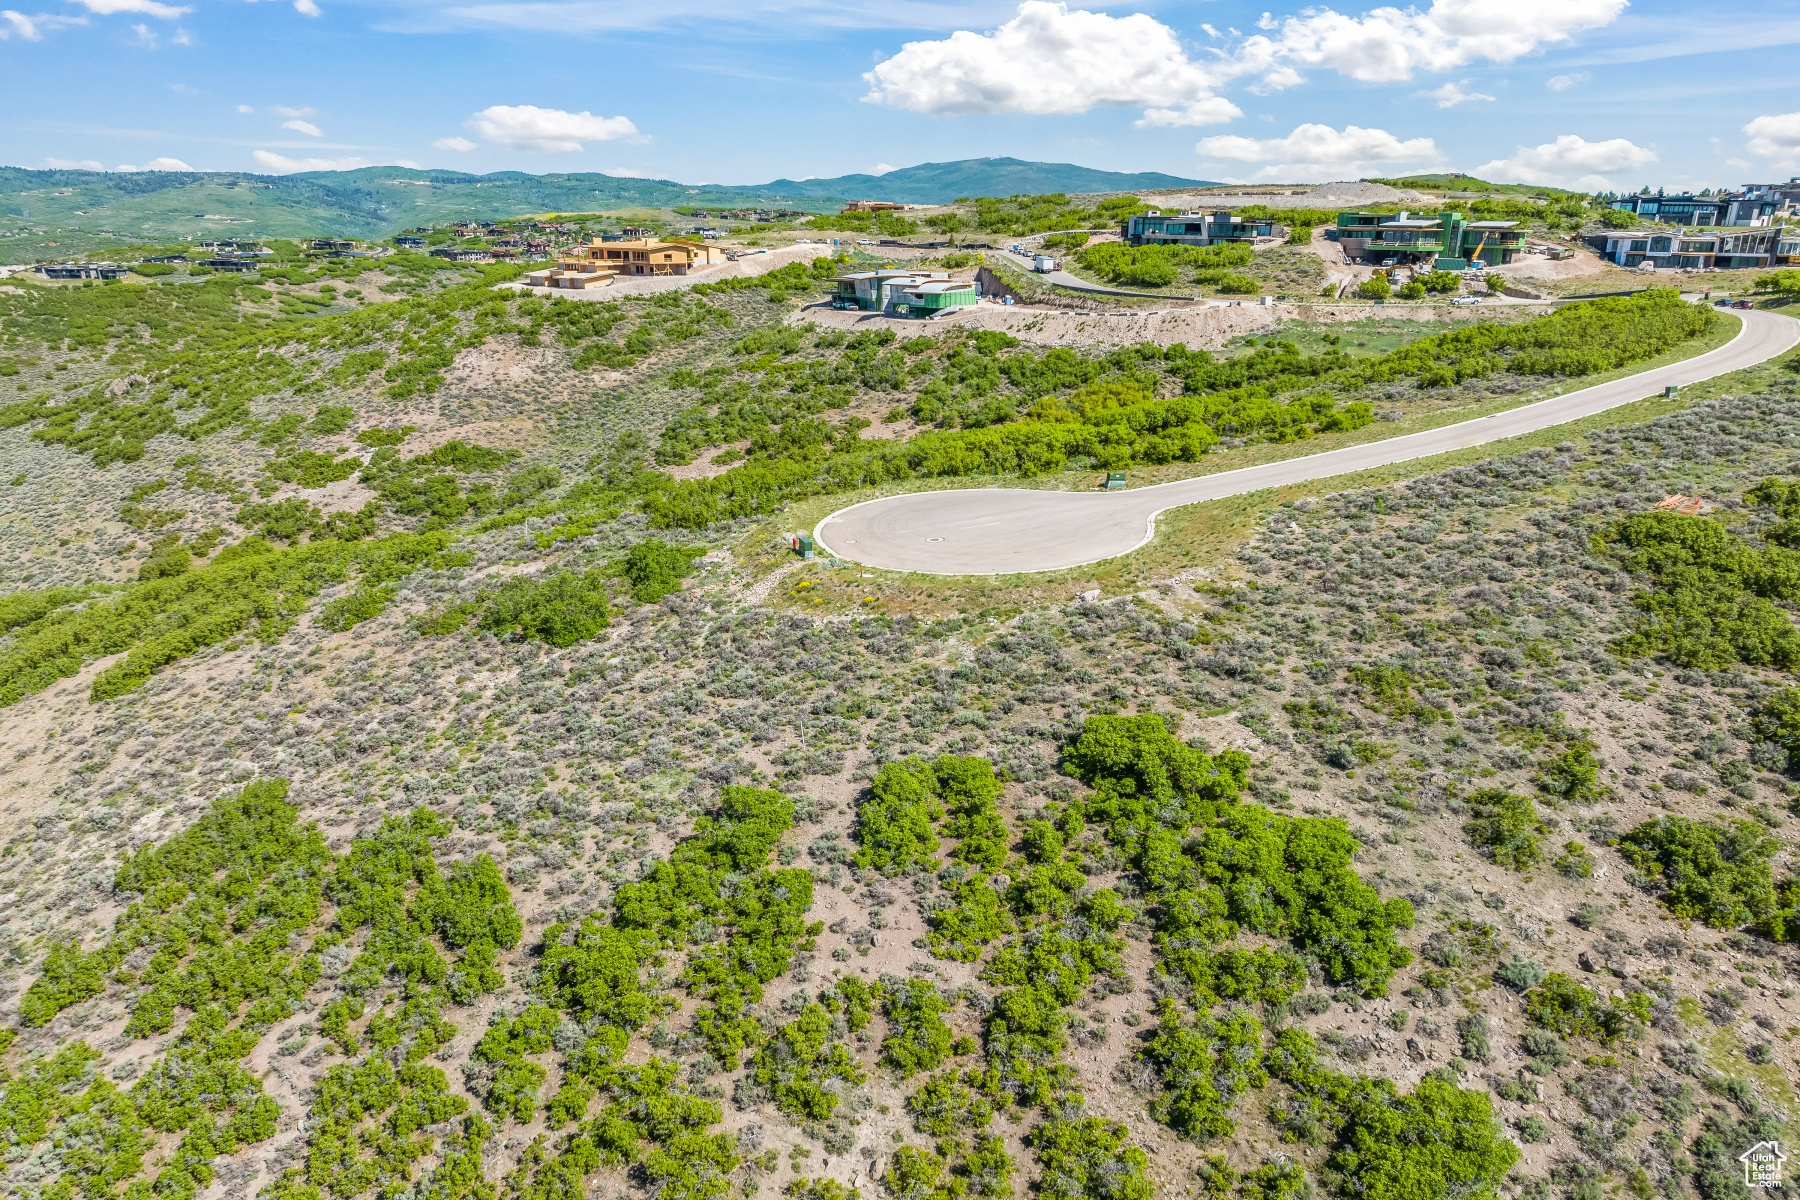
283,110
1570,161
306,8
1319,152
625,173
245,108
1562,83
32,29
281,164
547,130
148,8
73,164
1452,94
166,164
306,127
1048,59
1776,137
1386,45
181,37
1210,110
883,168
460,144
144,36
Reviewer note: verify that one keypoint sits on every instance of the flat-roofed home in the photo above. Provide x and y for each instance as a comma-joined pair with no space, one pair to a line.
577,273
651,256
1192,228
870,290
1448,240
932,296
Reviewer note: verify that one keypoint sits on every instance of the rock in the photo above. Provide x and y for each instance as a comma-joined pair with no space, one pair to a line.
1585,961
1413,1050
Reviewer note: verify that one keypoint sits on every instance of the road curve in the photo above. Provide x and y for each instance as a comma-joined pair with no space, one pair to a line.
1001,531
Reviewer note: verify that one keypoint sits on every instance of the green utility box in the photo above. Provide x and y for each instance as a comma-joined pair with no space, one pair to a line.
1114,479
1672,392
804,545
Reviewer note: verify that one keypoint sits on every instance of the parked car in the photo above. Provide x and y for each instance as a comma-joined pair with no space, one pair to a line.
1743,304
1461,300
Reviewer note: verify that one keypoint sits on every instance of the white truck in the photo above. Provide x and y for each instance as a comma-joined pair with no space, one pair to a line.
1043,263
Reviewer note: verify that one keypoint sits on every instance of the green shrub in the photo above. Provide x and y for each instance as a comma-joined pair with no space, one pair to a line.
354,609
795,1063
560,609
331,418
895,824
1712,600
1507,827
1089,1158
1134,763
1520,974
1561,1005
917,1040
1712,871
1776,719
655,569
1376,287
1205,1065
1575,861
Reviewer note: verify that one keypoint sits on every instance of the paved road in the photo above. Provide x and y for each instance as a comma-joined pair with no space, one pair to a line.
998,531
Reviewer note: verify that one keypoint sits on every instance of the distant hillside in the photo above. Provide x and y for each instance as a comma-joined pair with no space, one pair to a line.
940,183
81,211
1458,182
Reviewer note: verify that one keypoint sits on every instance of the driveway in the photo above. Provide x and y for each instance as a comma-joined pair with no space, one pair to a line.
998,531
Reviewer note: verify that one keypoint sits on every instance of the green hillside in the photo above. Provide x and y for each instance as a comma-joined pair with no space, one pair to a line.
1455,181
940,183
47,214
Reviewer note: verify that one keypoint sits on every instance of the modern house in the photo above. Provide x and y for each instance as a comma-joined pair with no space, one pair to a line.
873,206
1192,229
932,296
1754,204
1449,240
100,270
649,256
872,291
410,241
466,254
1697,249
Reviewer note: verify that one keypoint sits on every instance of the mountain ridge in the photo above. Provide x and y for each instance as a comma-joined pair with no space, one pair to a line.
80,210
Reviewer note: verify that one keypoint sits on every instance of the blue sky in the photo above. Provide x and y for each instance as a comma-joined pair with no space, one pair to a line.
1589,93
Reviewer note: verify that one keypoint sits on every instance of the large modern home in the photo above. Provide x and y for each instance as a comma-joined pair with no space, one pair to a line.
601,261
1192,229
872,291
1448,240
1700,249
650,256
932,296
1754,204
